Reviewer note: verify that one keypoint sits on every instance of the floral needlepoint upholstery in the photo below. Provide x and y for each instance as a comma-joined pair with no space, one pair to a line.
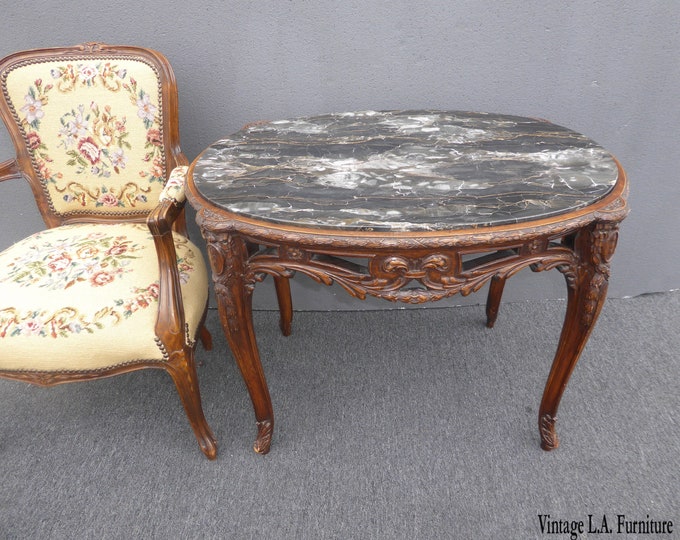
174,188
113,284
75,290
94,131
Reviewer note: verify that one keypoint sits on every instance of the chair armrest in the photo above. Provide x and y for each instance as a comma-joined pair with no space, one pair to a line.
174,187
9,170
171,321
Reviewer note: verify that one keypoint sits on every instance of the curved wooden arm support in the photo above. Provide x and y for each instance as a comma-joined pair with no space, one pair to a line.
170,308
171,329
9,170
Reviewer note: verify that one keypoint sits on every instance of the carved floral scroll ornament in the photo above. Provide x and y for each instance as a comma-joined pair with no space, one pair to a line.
405,278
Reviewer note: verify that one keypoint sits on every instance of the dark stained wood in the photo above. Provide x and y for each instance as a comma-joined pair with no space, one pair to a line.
243,251
171,328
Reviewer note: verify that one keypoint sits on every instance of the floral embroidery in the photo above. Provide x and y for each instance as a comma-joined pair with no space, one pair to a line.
94,257
95,141
64,322
70,77
174,189
146,110
33,109
68,321
93,137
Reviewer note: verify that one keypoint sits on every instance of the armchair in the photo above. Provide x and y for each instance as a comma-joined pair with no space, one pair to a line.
113,284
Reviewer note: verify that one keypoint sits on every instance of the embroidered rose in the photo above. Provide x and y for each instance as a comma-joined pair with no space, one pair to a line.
101,278
153,136
117,249
87,73
33,140
59,264
154,289
95,139
89,150
31,328
108,199
157,169
184,272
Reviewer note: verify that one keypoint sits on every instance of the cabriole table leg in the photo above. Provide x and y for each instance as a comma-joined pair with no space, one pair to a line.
594,247
228,255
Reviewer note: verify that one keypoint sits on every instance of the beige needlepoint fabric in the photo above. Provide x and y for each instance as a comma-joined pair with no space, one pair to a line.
94,128
85,296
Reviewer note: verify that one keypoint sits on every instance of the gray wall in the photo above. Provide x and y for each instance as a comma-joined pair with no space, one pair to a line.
609,69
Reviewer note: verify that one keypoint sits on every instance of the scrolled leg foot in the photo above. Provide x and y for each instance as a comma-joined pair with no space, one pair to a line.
228,260
208,445
183,372
549,439
264,436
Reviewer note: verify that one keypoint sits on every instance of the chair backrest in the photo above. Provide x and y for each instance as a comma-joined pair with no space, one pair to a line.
95,128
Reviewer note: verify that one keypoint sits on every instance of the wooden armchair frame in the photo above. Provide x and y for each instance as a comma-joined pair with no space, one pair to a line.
171,328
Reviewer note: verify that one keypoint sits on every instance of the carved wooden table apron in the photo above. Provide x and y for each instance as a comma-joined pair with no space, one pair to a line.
409,206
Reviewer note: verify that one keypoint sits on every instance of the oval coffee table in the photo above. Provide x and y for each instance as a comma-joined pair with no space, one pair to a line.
409,206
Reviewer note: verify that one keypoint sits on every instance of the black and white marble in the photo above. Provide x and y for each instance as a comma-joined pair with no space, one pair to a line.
404,171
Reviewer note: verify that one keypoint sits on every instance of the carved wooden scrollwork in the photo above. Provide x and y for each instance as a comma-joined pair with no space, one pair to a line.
412,268
601,246
403,277
546,426
263,441
226,255
91,46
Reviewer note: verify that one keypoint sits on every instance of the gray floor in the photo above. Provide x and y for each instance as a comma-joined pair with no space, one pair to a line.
390,424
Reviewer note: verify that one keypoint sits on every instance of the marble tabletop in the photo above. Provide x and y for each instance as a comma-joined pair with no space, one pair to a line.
404,171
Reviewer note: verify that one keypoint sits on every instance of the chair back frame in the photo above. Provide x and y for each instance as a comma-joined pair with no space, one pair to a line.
24,163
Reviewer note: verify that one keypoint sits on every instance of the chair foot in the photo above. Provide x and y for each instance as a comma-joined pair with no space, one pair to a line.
183,373
208,445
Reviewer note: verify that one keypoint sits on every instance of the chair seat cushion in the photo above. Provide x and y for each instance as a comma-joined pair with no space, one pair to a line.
85,297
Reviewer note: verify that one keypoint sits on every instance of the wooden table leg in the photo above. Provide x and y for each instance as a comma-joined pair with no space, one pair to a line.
493,301
594,247
282,285
228,255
